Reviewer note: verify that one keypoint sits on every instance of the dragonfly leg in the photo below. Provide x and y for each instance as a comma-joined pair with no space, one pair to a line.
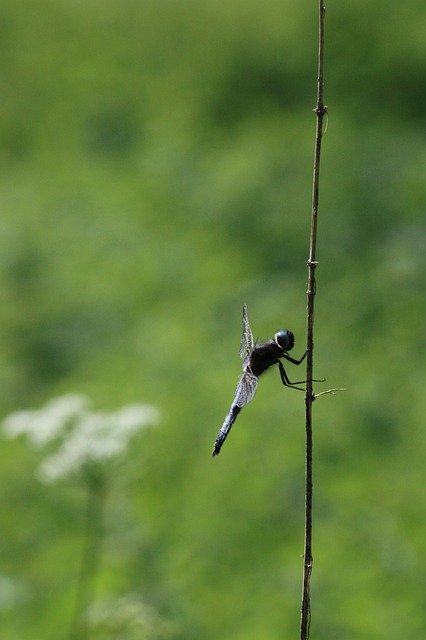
293,360
285,379
287,383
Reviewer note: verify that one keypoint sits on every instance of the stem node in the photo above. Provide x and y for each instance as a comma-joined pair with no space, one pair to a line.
321,110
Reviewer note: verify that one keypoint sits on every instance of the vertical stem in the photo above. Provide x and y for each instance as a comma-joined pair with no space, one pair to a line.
320,112
91,553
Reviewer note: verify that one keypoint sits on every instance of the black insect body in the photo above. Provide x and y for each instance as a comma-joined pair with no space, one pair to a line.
256,360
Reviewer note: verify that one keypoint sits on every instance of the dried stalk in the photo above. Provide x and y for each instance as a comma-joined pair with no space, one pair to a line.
320,111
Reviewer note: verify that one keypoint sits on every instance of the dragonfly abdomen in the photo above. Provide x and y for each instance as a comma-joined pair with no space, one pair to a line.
226,427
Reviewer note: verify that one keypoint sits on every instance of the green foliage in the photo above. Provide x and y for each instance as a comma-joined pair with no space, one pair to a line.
155,174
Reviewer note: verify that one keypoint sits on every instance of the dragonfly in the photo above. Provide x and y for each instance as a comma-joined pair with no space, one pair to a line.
257,358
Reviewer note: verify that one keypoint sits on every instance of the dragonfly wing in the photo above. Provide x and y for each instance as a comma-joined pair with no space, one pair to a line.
244,393
246,389
247,338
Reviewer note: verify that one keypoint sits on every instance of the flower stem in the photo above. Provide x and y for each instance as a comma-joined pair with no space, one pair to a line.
93,536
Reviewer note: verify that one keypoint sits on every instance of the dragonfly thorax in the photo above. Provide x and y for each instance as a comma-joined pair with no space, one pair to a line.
284,339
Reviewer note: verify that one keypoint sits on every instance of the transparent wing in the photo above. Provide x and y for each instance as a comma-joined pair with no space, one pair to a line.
246,389
247,338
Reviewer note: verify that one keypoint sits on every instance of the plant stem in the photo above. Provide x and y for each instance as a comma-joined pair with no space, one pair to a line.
91,553
320,111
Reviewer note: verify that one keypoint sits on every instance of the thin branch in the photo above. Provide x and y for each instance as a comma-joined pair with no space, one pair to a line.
331,391
320,111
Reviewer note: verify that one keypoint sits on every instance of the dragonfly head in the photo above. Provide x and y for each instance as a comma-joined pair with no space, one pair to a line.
284,339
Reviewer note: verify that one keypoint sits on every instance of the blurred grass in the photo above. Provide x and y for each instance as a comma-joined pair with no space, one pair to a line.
155,174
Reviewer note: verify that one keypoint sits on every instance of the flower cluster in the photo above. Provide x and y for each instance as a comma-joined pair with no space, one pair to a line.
80,436
127,616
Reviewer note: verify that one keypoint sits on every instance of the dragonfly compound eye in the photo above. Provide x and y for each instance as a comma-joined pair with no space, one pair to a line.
285,339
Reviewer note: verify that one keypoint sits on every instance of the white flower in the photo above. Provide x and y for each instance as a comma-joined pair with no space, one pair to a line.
44,425
83,436
96,438
128,616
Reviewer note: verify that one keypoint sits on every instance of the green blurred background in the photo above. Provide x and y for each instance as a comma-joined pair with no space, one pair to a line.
156,161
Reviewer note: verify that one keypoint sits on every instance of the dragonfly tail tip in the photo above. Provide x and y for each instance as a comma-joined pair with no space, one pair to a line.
216,451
